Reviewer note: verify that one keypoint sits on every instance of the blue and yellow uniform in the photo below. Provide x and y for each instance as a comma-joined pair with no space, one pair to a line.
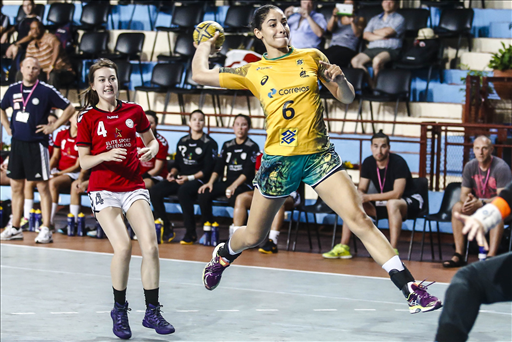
297,146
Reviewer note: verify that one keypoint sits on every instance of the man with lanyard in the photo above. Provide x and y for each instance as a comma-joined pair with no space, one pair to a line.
483,179
31,101
395,197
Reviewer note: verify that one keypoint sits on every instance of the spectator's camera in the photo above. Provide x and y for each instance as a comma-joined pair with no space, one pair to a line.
296,9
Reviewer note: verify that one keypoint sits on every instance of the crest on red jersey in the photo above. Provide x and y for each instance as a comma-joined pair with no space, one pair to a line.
118,133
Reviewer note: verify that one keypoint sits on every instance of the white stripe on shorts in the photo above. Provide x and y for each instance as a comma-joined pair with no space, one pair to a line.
45,165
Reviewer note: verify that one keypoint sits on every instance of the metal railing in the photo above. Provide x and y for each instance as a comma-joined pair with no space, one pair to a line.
442,148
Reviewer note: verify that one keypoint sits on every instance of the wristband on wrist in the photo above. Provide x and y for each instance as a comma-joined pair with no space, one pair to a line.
191,177
489,216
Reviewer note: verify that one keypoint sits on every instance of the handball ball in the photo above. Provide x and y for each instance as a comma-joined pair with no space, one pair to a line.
206,30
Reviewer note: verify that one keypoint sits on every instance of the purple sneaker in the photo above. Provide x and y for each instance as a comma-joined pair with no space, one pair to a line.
119,316
154,320
213,270
421,301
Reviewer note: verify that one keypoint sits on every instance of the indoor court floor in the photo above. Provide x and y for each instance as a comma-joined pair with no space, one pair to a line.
56,294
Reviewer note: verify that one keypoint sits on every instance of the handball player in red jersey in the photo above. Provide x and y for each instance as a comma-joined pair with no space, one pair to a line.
107,145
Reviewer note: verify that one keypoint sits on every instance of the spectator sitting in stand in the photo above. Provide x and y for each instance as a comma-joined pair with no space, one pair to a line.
397,197
483,178
307,27
5,28
16,51
64,164
346,32
47,49
155,170
385,34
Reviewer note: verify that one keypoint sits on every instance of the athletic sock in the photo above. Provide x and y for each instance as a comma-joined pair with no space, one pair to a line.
227,253
54,209
119,296
74,209
151,297
273,235
28,205
393,264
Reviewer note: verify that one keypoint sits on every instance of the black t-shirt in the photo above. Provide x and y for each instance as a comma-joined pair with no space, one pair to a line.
193,156
43,98
397,168
239,159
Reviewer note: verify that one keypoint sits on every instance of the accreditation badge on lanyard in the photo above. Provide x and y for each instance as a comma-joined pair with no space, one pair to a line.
381,185
23,115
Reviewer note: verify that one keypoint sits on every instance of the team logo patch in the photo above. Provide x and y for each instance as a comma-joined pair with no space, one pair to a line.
35,101
300,61
199,150
288,137
264,80
303,74
129,123
118,133
243,155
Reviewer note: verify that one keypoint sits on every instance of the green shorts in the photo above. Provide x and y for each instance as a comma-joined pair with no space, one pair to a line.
279,176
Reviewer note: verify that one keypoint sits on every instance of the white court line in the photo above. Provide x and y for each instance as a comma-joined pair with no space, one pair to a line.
365,309
64,313
23,313
187,310
263,310
404,310
204,262
100,312
496,312
228,310
224,288
325,309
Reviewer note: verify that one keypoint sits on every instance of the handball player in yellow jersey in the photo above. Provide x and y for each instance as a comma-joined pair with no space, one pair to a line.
297,148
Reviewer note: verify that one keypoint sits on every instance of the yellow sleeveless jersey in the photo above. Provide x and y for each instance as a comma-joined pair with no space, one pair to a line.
287,88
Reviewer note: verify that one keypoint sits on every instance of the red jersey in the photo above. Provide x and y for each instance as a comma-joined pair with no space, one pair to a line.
103,131
50,144
163,148
68,149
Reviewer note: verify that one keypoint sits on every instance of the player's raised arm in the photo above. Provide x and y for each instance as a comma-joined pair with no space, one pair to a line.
201,72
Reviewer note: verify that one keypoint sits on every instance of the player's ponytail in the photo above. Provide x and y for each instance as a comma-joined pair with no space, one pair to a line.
91,96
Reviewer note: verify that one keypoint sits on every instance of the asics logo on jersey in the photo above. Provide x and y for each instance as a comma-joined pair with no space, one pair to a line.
272,92
264,80
288,137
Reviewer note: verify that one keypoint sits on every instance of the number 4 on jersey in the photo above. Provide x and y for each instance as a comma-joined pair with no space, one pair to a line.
101,129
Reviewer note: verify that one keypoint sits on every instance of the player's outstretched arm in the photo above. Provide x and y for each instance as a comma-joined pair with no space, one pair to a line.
201,72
